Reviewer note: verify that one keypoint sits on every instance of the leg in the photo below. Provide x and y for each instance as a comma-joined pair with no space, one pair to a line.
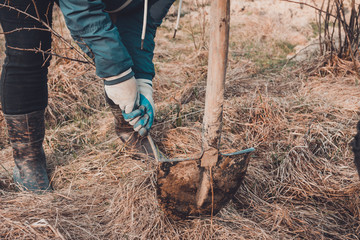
23,88
356,148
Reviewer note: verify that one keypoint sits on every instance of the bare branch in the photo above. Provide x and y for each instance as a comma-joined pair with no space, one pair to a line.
66,42
50,53
309,5
36,10
25,28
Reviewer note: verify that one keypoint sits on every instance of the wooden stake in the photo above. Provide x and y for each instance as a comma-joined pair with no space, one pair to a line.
218,52
214,99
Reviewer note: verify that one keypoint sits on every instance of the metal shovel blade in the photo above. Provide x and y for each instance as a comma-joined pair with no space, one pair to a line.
178,184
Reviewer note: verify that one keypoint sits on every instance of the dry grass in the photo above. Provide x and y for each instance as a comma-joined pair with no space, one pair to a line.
301,183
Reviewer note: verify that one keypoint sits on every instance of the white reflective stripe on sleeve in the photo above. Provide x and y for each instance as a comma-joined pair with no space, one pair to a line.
119,76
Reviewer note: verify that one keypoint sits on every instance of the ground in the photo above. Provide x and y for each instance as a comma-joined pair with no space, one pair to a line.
301,182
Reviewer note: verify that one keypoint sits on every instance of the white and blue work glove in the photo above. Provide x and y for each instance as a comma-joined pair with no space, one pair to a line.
123,93
143,118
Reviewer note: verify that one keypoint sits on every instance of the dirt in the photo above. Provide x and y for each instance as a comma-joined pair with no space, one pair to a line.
178,185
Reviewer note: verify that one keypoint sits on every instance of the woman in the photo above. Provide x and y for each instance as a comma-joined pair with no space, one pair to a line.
122,53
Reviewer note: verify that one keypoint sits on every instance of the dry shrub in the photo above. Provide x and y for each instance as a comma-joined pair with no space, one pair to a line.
342,16
338,32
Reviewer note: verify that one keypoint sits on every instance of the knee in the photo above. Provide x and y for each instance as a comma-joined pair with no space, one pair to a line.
27,48
22,61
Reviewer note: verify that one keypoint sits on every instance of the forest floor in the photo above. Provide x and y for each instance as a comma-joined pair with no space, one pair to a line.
301,182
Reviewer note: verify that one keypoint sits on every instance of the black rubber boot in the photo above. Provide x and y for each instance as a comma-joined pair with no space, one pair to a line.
137,145
356,148
26,133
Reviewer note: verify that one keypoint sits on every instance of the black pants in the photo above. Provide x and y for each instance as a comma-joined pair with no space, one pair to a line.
23,86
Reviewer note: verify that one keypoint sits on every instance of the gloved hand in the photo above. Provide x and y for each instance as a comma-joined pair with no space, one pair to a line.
125,94
143,117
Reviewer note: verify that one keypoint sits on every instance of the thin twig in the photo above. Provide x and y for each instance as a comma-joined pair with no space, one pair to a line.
306,4
48,53
66,42
181,116
25,28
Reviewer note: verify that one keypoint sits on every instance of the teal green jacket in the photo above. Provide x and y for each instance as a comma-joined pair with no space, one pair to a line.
115,47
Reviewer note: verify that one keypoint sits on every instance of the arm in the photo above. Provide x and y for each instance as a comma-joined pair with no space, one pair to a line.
130,27
92,28
98,37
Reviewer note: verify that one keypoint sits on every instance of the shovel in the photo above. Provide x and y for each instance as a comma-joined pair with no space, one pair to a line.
204,185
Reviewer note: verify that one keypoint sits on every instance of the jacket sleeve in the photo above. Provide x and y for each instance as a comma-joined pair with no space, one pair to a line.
92,28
